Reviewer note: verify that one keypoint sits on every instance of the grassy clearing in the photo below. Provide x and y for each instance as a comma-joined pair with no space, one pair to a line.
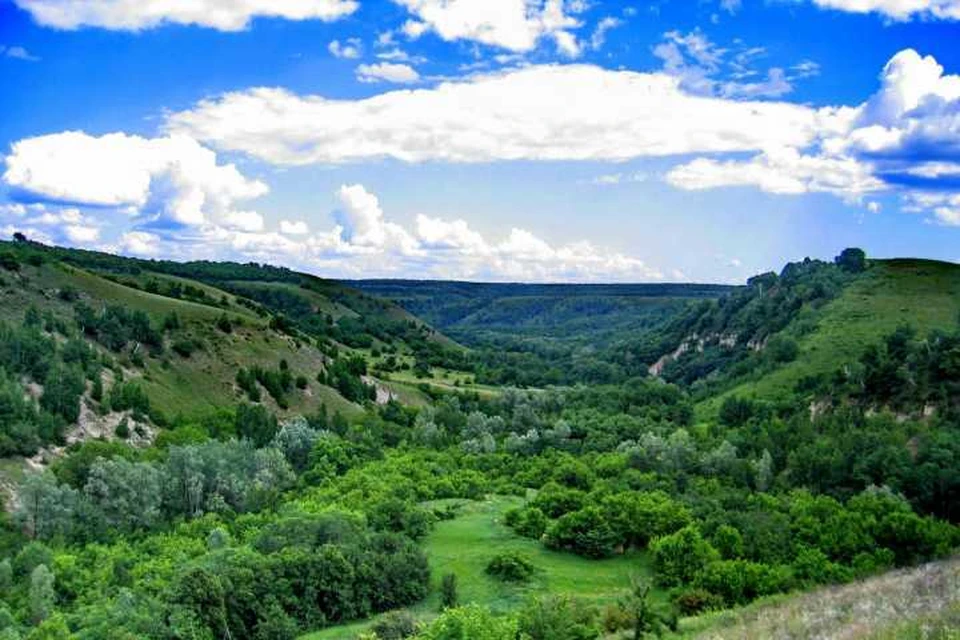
466,544
445,380
923,602
922,293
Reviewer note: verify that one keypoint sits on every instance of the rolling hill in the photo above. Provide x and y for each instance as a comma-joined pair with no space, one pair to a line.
207,321
590,314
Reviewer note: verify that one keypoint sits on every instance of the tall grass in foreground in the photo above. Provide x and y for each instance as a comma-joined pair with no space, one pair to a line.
908,604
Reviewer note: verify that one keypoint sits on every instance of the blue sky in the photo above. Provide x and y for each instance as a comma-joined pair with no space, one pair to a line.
548,140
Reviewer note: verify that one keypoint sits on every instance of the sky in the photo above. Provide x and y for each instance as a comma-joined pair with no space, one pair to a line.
503,140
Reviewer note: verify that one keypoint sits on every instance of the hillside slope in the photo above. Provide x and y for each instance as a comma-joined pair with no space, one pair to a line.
921,294
208,321
921,602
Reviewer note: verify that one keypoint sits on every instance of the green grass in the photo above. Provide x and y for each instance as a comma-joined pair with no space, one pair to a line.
922,293
466,544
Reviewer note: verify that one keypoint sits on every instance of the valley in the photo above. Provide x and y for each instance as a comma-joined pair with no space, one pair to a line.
225,450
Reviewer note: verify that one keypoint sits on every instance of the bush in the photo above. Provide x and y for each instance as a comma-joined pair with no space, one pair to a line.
395,625
584,532
529,522
448,591
184,347
740,581
692,601
510,567
470,623
558,618
679,557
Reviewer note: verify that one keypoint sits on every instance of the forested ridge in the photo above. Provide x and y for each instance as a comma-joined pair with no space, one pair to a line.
319,486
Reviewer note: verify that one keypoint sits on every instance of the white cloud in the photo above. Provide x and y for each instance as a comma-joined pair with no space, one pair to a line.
135,15
599,37
782,171
517,25
610,179
945,207
350,49
172,179
18,53
294,227
48,223
436,233
898,9
904,138
140,243
362,223
731,6
705,68
544,112
912,117
80,234
398,55
387,71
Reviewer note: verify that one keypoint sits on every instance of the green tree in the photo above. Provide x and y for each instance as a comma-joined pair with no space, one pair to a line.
852,259
678,557
42,594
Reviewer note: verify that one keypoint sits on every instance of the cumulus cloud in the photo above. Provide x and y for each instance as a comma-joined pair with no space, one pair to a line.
139,243
905,138
516,25
135,15
387,72
50,223
508,115
173,179
781,171
362,223
914,117
898,9
294,227
350,49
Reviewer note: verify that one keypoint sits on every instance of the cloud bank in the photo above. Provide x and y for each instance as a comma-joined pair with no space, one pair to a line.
136,15
898,9
512,115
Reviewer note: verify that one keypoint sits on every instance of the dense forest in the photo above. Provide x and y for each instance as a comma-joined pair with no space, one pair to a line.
357,473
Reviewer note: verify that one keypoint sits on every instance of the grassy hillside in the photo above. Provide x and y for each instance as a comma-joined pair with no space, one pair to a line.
922,294
908,604
227,317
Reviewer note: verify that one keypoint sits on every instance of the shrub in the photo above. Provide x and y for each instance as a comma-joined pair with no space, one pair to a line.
678,558
510,567
584,532
184,347
740,581
558,618
395,625
529,522
696,600
448,591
